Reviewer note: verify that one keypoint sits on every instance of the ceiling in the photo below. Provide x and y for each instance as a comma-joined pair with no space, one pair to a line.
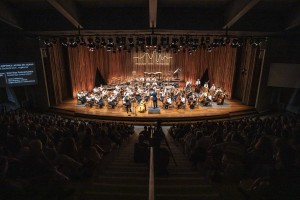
214,16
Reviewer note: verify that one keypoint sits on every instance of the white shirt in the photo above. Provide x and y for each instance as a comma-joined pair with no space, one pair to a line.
169,100
183,99
198,82
187,83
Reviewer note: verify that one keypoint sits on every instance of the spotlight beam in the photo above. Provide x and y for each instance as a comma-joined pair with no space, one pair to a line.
238,9
295,20
152,13
68,10
7,16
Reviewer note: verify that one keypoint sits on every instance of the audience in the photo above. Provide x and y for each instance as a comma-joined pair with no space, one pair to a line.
49,150
264,151
39,153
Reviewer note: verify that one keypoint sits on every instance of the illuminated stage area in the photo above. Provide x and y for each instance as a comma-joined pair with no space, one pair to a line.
230,109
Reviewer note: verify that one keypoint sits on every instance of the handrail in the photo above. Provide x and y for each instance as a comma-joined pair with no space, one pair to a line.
151,172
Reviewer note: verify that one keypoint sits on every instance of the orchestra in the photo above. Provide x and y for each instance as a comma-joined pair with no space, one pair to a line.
150,88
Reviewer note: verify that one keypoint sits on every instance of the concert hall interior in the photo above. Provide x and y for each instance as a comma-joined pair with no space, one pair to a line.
220,66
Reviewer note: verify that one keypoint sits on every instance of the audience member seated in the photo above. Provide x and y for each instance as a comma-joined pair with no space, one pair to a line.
141,150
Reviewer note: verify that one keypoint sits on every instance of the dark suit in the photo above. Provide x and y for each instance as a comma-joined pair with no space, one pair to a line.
154,98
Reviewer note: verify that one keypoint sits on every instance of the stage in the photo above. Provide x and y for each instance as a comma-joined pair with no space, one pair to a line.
230,110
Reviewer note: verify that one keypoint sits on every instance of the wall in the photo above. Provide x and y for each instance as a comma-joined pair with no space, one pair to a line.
279,50
24,49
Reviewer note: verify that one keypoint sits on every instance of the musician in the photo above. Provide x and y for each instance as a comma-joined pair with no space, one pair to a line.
143,103
96,90
81,97
116,92
208,100
182,101
192,101
112,101
154,84
154,98
100,88
168,102
117,88
128,104
99,101
90,100
188,84
205,87
198,83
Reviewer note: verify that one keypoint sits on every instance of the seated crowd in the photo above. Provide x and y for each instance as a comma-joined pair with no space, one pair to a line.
264,153
39,153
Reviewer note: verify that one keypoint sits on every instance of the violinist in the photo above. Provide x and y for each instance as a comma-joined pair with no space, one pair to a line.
90,100
168,102
112,101
99,101
182,102
193,102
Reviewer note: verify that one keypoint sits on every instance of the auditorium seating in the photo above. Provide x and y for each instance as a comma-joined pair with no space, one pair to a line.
237,152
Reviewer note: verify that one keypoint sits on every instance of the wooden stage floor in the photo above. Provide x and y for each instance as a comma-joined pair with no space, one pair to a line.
232,109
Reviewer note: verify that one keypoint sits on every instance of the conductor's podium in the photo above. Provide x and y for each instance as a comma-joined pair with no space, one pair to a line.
152,110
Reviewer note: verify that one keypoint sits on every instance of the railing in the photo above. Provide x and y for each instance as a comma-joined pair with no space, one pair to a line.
151,172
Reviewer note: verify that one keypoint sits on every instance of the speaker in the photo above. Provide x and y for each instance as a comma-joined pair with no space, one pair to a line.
153,110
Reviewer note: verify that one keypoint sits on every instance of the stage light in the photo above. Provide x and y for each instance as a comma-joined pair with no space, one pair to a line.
163,41
207,40
130,40
255,42
97,40
47,43
103,43
82,41
174,41
91,43
140,41
54,41
181,42
209,49
154,41
148,41
159,49
234,43
72,42
64,42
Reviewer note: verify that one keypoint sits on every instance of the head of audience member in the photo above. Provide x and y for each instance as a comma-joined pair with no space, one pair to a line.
36,147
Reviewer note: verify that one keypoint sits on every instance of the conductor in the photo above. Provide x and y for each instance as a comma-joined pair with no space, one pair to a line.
154,98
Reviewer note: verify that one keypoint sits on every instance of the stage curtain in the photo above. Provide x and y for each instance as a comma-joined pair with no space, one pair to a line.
220,63
58,73
118,66
82,69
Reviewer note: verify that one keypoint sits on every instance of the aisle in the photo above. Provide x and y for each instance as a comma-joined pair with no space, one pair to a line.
183,183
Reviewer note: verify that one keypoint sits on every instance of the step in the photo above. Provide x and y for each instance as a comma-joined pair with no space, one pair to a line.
186,197
182,180
184,189
114,196
124,187
117,180
128,174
